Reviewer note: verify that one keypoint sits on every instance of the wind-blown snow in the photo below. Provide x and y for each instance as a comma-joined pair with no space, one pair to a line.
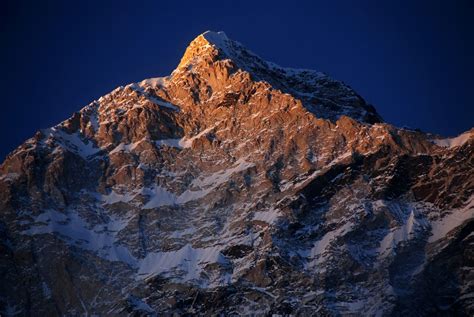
219,39
454,142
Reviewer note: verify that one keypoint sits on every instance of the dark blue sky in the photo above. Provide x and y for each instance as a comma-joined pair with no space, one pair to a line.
412,59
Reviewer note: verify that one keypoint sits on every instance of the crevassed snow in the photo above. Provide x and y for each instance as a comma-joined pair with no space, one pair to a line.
186,263
453,142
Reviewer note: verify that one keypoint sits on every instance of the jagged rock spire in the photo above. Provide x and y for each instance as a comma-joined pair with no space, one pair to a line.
206,45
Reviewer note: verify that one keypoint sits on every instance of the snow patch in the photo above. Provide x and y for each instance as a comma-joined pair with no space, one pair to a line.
206,184
122,147
188,142
186,264
158,196
140,305
200,187
269,216
169,142
138,87
405,232
163,103
454,142
321,245
114,197
218,39
154,82
100,239
440,228
72,142
9,176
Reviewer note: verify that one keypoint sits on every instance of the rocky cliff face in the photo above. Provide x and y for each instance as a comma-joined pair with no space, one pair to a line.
236,186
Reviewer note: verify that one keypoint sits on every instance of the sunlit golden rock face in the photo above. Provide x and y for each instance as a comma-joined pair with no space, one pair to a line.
200,48
235,185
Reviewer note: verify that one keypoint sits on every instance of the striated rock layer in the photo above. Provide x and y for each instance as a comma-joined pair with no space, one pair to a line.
235,186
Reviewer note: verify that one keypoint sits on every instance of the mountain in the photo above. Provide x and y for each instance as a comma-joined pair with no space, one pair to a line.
238,187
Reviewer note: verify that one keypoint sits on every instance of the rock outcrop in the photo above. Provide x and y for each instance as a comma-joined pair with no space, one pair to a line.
235,186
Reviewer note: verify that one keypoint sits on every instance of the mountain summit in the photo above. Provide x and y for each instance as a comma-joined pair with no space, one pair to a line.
235,186
320,94
206,44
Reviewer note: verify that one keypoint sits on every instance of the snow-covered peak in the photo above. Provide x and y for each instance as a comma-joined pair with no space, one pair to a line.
218,39
206,45
218,46
323,96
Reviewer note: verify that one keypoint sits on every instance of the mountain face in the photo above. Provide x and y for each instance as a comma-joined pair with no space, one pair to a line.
237,187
